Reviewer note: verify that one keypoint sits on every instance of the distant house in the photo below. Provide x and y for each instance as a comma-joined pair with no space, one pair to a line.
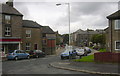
83,38
75,37
31,36
10,27
48,40
113,43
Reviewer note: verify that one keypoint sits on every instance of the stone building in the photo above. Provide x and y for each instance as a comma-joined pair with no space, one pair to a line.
31,36
11,27
113,39
83,38
48,40
16,33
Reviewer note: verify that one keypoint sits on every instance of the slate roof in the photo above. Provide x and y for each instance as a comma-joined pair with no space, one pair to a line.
31,24
6,9
115,15
47,29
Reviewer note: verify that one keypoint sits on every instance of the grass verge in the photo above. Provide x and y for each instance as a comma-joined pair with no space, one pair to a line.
102,50
89,58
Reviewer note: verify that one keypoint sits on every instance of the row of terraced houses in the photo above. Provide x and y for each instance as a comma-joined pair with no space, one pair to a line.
17,33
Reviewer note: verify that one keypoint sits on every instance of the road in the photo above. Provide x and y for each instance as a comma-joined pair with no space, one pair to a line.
35,66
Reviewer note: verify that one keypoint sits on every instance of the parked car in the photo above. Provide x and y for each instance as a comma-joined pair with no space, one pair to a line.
36,53
17,54
81,52
88,50
67,54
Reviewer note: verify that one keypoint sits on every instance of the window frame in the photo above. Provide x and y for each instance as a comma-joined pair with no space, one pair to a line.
7,19
27,46
28,32
7,31
116,46
116,25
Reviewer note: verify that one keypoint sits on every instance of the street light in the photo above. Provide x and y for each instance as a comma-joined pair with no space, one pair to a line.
68,17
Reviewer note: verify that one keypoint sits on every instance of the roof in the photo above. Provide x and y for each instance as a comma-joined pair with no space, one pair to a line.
47,29
115,15
31,24
90,32
6,9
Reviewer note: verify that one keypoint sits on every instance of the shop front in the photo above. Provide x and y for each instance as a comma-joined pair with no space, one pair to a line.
8,44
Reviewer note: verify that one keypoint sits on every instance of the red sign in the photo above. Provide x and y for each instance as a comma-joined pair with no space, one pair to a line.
10,40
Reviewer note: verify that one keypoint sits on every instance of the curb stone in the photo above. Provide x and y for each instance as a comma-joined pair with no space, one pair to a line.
85,71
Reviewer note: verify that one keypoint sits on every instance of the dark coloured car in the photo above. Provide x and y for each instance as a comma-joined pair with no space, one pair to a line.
17,54
36,53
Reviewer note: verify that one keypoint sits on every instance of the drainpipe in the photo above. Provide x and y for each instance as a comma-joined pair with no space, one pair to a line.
111,34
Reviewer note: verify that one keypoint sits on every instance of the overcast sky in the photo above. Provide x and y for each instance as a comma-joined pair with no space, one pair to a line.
91,15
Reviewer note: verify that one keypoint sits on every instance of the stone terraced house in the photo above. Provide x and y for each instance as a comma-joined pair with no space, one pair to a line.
16,33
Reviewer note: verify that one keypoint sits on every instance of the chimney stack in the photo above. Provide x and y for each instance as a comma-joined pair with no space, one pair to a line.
10,3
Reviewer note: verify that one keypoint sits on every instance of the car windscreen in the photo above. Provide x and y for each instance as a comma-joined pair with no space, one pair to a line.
21,51
65,52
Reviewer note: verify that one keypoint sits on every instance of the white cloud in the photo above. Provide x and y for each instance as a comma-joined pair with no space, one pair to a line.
83,14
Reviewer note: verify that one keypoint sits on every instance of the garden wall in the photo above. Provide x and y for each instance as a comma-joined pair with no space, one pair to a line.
107,57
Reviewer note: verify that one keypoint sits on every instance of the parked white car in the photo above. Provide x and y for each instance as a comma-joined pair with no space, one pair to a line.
80,52
88,50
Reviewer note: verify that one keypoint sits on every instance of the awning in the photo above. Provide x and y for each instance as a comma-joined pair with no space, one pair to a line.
10,41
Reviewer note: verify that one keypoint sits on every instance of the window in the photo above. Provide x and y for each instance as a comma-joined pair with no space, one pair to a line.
28,33
7,31
27,46
117,45
117,24
44,41
18,51
7,19
22,51
44,35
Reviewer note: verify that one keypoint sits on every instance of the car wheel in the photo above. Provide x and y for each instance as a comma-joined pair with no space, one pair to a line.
16,58
62,58
28,57
85,54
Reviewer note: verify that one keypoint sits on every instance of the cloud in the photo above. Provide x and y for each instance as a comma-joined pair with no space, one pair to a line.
83,15
90,15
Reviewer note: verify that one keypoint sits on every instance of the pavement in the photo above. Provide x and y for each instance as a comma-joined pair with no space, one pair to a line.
88,67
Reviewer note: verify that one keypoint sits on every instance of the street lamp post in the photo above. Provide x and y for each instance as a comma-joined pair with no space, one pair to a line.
68,18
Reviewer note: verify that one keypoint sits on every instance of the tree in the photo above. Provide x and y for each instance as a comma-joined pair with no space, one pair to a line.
65,38
57,41
98,38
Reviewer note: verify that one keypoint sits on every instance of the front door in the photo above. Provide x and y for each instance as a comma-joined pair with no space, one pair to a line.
35,46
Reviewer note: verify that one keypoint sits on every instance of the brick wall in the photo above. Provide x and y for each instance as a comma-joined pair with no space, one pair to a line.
107,57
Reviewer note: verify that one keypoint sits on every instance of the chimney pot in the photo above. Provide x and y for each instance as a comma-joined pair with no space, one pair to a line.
10,3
